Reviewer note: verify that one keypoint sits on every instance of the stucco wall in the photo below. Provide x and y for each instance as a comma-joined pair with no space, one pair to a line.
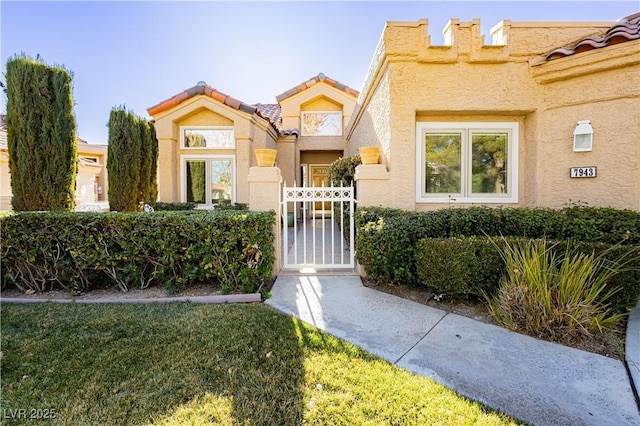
611,101
468,82
5,182
250,132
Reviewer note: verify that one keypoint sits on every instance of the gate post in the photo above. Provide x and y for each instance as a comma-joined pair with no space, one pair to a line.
264,194
372,185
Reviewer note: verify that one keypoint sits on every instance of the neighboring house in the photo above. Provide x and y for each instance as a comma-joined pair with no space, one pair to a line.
468,123
460,124
91,181
207,136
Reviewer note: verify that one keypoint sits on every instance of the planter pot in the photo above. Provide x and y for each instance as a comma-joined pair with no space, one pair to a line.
369,154
265,157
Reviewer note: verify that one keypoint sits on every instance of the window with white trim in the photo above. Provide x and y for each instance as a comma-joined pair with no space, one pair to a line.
320,123
207,137
208,179
467,162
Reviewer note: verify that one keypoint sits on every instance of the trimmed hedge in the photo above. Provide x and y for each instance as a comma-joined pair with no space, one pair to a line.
80,251
386,238
161,206
464,268
459,268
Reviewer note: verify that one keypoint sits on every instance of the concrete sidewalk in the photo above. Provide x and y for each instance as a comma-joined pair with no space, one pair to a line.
536,381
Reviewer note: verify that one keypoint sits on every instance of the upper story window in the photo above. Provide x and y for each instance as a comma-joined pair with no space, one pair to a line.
88,159
322,123
208,137
467,162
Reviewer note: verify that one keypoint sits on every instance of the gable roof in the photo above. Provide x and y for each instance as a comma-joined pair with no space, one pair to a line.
626,29
270,112
201,88
320,78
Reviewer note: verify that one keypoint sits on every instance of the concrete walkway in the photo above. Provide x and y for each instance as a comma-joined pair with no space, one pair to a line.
535,381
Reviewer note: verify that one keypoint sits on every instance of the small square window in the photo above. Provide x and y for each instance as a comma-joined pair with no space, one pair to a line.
321,124
208,138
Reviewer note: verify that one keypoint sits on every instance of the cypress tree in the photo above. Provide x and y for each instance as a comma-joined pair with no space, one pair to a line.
124,153
144,189
153,177
41,135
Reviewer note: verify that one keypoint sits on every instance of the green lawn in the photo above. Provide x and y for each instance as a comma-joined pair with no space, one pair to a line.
205,364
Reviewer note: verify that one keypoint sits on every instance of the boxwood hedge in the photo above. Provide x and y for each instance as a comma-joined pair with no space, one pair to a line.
386,239
79,251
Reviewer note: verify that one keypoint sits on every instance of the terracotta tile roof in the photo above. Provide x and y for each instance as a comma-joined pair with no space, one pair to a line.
320,78
289,132
201,89
271,112
626,29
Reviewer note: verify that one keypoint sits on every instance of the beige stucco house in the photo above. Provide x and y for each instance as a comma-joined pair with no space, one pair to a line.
91,181
207,136
546,114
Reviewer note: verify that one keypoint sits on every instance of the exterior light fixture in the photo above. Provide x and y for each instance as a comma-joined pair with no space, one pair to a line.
583,136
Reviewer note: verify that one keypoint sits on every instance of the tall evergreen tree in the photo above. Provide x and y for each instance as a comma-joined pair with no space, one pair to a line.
153,177
41,133
144,189
123,167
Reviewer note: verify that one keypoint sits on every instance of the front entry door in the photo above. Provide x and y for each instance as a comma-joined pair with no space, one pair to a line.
319,179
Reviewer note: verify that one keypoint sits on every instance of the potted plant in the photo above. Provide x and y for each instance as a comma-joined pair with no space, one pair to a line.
369,154
265,157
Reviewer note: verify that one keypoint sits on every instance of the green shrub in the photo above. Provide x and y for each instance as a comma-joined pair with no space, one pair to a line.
463,268
79,251
231,206
555,296
458,268
342,173
386,237
386,248
160,206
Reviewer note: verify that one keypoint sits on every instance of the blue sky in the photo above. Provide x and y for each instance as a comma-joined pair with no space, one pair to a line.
139,53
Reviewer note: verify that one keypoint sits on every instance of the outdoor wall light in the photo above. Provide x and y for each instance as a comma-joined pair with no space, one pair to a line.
583,136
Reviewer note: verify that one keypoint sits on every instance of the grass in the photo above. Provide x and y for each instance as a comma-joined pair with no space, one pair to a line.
207,364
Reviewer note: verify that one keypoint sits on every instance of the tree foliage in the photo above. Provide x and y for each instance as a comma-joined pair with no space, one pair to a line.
133,158
41,133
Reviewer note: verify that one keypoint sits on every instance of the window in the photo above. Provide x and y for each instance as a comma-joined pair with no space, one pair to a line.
208,179
208,137
322,123
467,162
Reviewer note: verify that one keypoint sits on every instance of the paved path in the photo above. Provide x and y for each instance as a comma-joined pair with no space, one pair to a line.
536,381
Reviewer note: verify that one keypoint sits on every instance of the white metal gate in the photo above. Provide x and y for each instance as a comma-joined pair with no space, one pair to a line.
314,220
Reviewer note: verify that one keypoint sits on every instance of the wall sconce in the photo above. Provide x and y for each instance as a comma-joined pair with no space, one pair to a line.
583,136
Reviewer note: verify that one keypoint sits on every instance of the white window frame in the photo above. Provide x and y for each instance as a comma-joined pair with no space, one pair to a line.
466,196
207,158
184,146
341,124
